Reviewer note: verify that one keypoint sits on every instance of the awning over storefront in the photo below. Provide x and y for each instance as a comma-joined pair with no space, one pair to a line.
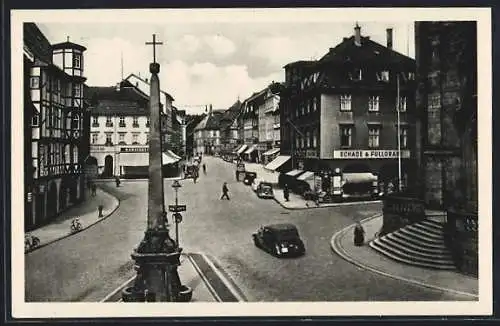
251,149
167,158
306,176
359,177
277,162
271,151
174,155
294,173
241,149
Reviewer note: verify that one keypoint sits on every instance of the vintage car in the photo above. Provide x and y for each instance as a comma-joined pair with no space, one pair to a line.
191,171
281,240
249,177
265,190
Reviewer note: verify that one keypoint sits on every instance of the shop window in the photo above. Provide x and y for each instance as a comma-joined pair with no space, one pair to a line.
122,122
345,102
373,103
373,136
346,136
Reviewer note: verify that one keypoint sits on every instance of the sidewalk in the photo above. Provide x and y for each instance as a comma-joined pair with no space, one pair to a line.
367,258
86,212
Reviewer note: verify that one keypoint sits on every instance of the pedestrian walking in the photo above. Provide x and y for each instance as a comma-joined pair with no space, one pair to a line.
117,181
204,169
359,235
195,176
286,192
225,191
94,189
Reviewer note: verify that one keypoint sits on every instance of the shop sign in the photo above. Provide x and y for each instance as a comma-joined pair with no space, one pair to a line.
97,148
134,149
362,154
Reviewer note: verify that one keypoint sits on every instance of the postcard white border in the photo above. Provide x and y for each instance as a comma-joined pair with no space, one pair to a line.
483,306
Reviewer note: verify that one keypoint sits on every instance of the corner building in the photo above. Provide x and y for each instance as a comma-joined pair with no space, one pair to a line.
339,116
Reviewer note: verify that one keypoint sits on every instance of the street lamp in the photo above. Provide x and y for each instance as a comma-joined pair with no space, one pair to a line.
177,216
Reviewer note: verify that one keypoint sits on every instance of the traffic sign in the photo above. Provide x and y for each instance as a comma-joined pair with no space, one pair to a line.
176,208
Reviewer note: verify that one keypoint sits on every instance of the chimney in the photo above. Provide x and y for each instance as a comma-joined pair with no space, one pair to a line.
389,38
357,35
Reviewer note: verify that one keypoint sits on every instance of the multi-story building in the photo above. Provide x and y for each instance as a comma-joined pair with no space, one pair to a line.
340,115
269,126
447,98
192,122
178,140
54,119
229,129
119,131
207,133
250,122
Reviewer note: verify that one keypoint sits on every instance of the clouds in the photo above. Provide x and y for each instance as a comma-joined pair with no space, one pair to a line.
220,45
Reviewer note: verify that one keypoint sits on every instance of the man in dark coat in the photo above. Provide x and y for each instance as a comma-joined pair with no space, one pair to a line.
286,192
359,235
225,191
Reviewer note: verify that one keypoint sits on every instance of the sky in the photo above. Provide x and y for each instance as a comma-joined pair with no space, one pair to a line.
214,63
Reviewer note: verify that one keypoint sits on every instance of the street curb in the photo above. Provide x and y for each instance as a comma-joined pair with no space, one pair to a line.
83,229
329,206
339,250
226,279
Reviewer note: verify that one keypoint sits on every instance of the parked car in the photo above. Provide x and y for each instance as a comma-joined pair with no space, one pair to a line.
280,240
265,190
249,178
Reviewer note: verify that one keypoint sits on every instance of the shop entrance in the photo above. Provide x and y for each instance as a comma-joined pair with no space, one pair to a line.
108,167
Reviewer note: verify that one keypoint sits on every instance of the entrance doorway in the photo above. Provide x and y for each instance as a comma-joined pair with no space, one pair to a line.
108,167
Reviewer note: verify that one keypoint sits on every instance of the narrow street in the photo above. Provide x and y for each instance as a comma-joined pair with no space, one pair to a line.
97,260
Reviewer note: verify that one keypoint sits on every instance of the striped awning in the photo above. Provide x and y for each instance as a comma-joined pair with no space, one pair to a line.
306,175
241,149
271,151
294,173
277,162
251,149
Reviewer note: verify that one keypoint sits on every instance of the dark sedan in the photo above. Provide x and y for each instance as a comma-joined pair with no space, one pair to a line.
281,240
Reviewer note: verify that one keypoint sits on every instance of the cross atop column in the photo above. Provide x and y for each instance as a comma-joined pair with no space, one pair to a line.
154,44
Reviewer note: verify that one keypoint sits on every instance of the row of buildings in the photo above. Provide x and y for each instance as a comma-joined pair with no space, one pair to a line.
74,133
367,113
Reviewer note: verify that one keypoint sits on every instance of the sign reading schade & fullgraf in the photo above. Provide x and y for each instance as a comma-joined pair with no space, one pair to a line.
362,154
134,149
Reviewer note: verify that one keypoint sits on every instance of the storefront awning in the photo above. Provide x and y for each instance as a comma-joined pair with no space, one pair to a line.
174,155
277,162
251,149
134,159
271,151
241,149
294,173
359,177
167,158
237,148
306,176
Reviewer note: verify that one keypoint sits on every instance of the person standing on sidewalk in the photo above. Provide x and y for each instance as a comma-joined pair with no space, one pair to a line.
225,191
359,235
94,189
204,169
286,192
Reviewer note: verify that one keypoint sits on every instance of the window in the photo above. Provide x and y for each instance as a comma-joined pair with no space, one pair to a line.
34,120
383,76
121,138
109,141
135,137
373,103
34,82
122,121
77,60
297,142
345,103
302,105
109,123
355,75
402,104
147,138
403,136
135,122
411,76
94,138
77,90
308,137
315,140
94,122
75,123
147,122
346,136
373,136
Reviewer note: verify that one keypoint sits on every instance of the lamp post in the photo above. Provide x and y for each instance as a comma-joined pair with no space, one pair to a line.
177,216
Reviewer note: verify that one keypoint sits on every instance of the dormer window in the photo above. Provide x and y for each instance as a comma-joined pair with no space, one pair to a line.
356,75
345,103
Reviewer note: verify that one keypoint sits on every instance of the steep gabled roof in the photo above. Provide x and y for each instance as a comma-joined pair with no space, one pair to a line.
37,43
109,100
368,53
